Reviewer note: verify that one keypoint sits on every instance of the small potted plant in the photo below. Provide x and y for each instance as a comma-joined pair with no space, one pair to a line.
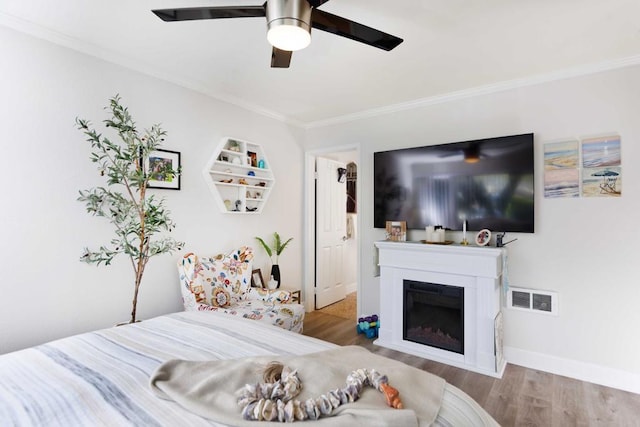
276,249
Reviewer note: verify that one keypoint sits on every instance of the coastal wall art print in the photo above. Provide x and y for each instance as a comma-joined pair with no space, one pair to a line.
561,155
562,183
561,174
601,167
601,152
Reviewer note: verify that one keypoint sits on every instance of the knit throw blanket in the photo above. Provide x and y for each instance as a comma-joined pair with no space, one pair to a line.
210,388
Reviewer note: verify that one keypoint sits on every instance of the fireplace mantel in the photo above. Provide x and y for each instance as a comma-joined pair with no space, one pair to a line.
476,269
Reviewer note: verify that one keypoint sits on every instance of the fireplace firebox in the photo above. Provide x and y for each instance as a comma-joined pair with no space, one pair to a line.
434,315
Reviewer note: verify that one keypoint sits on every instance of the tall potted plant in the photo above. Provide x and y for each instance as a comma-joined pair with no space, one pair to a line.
139,219
276,249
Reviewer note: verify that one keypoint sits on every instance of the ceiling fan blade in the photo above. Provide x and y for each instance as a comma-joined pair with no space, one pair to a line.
340,26
316,3
194,13
280,58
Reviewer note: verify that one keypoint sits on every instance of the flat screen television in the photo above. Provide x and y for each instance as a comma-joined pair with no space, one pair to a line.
487,182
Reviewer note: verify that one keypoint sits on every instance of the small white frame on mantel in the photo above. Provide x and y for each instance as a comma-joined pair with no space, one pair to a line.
238,185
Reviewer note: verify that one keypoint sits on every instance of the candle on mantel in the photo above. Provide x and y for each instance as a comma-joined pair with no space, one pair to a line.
464,232
429,231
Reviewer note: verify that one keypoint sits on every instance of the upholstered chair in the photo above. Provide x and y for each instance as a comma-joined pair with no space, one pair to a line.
223,283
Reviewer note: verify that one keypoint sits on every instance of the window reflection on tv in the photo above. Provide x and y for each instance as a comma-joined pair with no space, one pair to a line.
487,182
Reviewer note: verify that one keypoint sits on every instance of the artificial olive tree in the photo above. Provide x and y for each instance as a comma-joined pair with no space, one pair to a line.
140,219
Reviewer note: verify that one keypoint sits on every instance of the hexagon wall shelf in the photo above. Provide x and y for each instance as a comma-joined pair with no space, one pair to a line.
239,176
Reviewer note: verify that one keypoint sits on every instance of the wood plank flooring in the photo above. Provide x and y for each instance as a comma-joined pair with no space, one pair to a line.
523,397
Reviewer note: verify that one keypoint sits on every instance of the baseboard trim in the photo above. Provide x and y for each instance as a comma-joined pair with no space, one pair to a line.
351,287
583,371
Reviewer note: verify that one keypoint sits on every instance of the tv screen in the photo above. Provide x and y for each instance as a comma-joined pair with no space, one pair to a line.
487,182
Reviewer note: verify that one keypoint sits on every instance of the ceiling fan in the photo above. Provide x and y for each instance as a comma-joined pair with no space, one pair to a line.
289,25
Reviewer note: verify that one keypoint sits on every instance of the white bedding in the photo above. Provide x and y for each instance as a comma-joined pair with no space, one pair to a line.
101,378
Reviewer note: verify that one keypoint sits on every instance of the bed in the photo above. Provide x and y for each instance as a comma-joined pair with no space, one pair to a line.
102,378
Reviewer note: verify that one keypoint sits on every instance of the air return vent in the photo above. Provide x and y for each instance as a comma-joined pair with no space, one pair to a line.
533,300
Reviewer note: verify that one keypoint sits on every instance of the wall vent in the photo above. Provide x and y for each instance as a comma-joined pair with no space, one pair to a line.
533,300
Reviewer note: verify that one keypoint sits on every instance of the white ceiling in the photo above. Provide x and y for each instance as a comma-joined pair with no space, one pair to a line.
449,46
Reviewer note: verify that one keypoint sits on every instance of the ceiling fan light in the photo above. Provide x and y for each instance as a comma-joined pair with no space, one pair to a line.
472,153
289,34
470,159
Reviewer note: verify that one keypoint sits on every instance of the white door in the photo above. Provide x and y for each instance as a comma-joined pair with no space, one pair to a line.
331,223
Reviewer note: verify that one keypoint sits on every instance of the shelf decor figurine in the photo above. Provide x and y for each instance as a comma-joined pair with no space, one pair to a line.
276,249
138,218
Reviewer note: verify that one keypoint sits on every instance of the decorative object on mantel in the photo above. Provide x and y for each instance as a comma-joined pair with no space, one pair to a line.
137,218
464,241
276,249
396,231
500,243
446,242
436,235
483,237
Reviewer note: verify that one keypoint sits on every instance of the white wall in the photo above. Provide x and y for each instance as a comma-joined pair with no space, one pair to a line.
586,249
46,293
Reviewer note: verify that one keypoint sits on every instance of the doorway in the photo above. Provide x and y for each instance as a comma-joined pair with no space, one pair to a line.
350,260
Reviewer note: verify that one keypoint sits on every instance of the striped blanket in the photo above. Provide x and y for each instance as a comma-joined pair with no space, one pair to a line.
101,378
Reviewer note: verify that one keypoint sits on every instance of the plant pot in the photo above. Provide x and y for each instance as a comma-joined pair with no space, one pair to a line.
275,273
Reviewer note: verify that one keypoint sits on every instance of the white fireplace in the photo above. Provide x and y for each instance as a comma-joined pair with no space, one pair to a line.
478,270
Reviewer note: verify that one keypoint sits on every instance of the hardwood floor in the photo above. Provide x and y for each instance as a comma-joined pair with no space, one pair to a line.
523,397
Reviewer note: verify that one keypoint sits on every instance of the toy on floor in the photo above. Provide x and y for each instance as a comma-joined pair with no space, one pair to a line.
369,326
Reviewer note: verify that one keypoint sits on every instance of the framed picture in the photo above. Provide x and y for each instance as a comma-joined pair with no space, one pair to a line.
161,166
256,279
397,231
483,237
252,159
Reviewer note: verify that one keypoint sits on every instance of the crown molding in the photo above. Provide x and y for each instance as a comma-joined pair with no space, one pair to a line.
480,90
